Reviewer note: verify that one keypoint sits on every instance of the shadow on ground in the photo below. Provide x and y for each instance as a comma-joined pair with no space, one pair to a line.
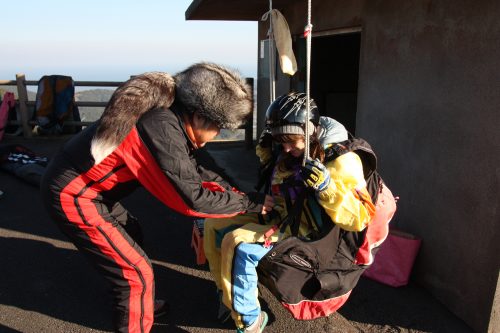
46,285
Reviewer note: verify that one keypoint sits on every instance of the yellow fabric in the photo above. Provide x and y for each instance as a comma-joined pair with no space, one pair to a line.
221,260
264,154
212,253
249,233
341,199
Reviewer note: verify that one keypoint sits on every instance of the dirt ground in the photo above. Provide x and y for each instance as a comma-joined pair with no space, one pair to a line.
47,286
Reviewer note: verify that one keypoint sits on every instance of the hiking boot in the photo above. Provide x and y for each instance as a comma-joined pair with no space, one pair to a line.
257,327
223,312
161,308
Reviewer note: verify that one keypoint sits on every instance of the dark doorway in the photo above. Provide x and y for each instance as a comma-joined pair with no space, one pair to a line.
334,75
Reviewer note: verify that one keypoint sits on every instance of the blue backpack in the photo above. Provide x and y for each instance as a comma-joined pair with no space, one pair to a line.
55,103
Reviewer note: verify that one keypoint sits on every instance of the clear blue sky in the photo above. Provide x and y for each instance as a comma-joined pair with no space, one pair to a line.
113,39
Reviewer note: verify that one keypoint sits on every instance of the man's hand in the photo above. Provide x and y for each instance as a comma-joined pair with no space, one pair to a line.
268,205
315,175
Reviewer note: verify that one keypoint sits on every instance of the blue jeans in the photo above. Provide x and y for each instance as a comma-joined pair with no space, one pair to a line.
246,259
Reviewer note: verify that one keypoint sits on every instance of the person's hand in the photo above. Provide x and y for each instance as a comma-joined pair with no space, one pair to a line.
268,205
266,138
315,175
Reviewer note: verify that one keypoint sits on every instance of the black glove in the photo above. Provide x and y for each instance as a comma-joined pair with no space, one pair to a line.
266,138
315,175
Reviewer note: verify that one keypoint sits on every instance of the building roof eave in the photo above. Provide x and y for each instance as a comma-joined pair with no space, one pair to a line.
233,10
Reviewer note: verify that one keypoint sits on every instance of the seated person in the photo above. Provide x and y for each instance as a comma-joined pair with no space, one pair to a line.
234,246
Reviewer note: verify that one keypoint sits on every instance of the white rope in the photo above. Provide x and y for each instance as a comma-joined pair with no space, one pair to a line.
308,35
272,84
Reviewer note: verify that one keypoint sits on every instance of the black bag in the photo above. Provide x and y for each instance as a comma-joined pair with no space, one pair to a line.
314,278
23,163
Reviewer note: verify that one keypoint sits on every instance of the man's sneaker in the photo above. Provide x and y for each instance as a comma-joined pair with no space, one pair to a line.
223,312
161,308
257,327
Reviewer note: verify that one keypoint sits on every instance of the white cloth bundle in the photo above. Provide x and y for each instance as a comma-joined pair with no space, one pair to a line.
283,40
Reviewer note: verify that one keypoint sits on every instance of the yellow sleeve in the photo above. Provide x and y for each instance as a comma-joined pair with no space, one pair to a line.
264,154
346,199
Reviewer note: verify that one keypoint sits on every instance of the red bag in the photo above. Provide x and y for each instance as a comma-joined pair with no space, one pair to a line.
8,103
394,260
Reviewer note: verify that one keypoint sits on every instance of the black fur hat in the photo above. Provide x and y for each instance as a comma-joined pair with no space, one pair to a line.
216,93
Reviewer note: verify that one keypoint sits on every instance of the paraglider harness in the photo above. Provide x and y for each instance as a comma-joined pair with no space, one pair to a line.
312,277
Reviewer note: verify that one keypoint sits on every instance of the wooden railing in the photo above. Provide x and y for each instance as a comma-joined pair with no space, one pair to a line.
23,103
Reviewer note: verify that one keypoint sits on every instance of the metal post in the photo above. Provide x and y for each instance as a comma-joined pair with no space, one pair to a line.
249,124
22,94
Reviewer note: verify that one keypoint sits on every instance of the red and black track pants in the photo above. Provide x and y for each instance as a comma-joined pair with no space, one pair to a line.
98,230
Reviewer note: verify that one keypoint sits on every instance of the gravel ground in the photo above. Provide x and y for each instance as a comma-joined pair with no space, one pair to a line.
47,286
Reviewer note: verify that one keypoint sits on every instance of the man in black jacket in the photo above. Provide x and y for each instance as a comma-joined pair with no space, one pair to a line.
146,136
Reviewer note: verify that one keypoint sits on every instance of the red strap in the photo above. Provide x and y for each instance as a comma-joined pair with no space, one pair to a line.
268,234
275,189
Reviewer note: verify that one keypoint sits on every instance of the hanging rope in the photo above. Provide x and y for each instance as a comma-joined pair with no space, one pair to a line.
270,46
307,35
